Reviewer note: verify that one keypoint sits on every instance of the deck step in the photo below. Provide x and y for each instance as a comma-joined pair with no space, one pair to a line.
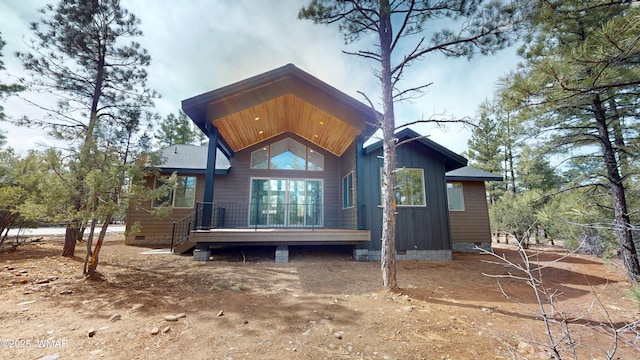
184,247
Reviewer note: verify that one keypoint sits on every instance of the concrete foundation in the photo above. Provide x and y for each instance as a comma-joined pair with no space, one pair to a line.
282,254
360,254
201,254
471,247
374,255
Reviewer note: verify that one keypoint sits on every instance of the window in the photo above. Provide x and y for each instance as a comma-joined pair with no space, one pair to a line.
347,191
286,203
409,187
183,195
260,158
455,196
315,161
287,154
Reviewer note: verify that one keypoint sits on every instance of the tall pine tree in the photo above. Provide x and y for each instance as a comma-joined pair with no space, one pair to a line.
82,53
6,89
176,130
578,81
399,29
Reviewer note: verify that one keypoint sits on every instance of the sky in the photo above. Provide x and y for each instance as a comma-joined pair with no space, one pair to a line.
200,45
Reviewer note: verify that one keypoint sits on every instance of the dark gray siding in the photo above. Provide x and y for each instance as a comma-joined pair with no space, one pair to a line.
417,228
348,165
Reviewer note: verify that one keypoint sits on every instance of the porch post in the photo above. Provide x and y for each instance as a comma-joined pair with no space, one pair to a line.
207,206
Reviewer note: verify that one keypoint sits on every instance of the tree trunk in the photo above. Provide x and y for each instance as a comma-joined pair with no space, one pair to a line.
509,156
85,154
618,135
387,253
621,215
89,246
93,263
7,220
70,239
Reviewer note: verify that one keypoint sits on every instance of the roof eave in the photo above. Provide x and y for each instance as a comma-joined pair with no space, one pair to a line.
192,171
452,160
196,107
474,178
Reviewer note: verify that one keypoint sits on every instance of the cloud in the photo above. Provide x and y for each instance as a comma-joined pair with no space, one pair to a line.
200,45
22,140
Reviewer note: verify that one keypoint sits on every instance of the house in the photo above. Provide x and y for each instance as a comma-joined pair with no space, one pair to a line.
286,165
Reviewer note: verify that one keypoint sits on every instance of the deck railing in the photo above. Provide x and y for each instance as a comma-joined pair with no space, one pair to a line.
181,229
258,215
224,215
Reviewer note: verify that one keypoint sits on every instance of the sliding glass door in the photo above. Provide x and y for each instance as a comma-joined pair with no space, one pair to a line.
286,203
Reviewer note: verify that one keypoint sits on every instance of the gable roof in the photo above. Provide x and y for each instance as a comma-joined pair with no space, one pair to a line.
452,160
191,159
469,173
285,99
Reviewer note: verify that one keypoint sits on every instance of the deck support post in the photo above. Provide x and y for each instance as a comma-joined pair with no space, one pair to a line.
207,205
201,252
282,254
360,253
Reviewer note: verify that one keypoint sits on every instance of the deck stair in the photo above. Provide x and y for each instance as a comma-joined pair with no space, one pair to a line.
184,247
181,234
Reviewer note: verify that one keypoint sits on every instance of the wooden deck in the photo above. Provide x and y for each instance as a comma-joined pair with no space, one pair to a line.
303,236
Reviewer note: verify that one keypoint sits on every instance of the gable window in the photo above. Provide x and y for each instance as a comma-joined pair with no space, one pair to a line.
410,190
347,191
315,160
455,196
287,154
260,158
183,195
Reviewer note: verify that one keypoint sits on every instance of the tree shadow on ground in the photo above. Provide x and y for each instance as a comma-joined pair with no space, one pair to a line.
177,284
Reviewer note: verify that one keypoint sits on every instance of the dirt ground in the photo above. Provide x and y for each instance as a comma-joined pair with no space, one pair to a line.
320,305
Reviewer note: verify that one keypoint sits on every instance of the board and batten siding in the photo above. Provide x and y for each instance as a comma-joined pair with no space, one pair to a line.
472,224
417,228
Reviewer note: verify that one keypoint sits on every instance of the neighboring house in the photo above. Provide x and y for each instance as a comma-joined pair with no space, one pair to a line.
286,165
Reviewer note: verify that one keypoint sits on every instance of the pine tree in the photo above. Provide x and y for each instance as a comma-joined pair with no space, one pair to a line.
489,146
534,172
6,89
176,130
10,192
577,82
81,54
485,28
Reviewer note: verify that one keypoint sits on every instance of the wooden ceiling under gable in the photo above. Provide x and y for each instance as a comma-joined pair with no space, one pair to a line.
286,113
282,100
